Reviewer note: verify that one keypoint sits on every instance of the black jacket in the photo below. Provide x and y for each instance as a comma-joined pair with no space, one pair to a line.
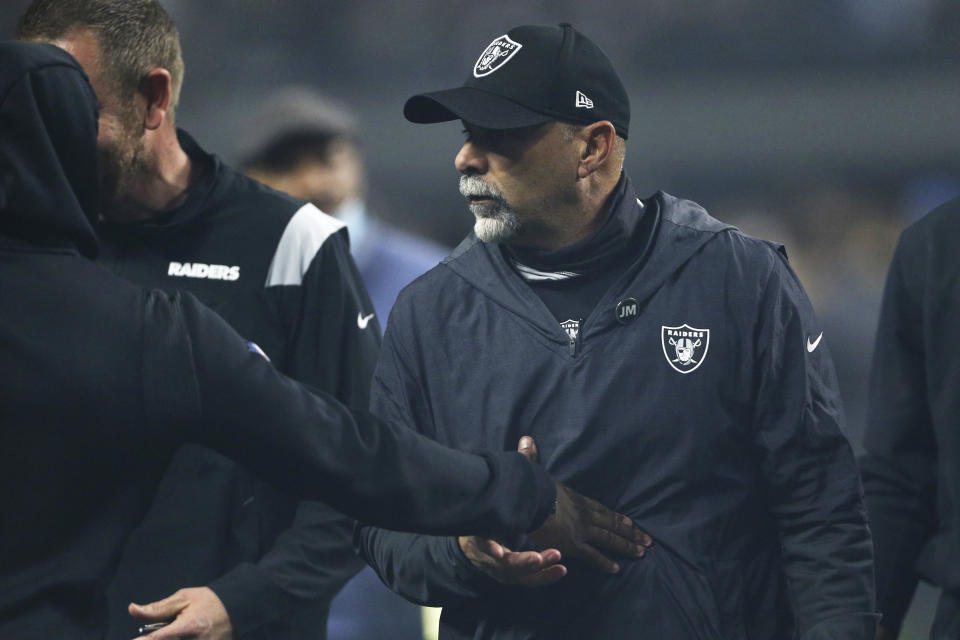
731,455
279,271
101,380
911,472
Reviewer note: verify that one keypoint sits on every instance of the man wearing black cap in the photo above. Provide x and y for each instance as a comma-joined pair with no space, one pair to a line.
665,363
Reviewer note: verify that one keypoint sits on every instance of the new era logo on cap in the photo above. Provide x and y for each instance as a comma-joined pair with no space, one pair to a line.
583,102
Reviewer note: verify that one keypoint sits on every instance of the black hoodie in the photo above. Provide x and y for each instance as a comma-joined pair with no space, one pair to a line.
100,380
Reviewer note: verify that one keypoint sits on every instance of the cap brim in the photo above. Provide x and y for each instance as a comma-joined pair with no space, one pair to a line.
471,105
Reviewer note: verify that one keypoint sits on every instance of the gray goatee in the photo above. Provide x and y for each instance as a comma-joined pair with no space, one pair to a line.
496,221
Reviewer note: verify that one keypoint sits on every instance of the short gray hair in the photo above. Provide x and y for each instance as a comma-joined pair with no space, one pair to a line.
135,36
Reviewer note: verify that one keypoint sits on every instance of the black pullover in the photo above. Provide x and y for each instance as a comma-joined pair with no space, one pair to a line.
101,380
279,272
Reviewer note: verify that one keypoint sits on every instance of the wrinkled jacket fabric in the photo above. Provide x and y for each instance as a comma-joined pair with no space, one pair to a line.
737,466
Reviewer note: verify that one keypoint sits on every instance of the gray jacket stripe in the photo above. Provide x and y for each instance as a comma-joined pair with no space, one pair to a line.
306,232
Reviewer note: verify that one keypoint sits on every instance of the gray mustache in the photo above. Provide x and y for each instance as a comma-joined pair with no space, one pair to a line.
476,187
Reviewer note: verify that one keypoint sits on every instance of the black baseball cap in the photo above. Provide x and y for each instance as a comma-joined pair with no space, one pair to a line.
531,75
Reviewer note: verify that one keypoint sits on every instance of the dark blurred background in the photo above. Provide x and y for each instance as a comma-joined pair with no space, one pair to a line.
823,124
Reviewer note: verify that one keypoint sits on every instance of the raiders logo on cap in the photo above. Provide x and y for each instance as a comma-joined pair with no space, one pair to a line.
495,56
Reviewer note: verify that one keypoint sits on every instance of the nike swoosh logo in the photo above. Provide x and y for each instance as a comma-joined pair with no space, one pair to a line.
363,320
813,345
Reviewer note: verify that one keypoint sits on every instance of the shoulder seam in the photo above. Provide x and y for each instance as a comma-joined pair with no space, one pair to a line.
305,234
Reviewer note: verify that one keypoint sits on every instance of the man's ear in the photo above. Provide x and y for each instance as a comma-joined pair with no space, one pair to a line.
156,88
598,150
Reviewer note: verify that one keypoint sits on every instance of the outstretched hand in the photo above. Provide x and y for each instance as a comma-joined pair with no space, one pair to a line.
585,529
521,568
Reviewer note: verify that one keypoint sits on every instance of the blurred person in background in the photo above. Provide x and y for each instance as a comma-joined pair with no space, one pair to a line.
304,144
911,470
662,360
839,239
256,561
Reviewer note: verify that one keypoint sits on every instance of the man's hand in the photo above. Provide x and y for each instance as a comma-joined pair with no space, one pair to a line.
584,528
198,613
523,568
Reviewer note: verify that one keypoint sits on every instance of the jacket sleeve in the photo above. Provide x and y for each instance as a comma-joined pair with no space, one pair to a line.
327,348
900,467
429,570
813,484
312,445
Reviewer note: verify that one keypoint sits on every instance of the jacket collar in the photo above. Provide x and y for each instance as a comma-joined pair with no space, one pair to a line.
604,247
204,188
680,229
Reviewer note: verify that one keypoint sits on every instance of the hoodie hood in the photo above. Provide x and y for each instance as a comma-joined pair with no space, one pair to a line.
48,148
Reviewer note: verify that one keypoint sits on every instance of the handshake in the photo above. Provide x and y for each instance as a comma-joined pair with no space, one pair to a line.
579,528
